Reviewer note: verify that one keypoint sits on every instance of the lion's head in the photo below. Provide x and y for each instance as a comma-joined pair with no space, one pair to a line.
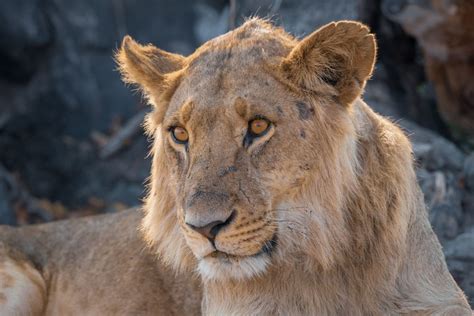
255,150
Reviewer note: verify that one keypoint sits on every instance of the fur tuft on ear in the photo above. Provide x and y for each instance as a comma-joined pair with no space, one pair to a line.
146,65
339,57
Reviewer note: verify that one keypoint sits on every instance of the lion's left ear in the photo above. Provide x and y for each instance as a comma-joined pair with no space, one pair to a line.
146,65
340,56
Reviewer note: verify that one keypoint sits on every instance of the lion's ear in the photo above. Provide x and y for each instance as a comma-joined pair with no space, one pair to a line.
146,66
339,55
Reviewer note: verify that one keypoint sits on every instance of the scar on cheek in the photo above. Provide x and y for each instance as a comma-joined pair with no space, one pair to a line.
305,111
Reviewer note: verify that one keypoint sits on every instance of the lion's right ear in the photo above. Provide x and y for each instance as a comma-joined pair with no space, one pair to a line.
338,57
146,66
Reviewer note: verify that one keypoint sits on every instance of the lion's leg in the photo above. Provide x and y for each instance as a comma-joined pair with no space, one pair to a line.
22,288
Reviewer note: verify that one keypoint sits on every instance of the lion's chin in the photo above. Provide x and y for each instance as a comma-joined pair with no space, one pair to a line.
221,266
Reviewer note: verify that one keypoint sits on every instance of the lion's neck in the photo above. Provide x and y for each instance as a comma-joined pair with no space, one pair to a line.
263,296
284,291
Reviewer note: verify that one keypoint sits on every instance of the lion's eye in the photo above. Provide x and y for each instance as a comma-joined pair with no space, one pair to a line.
259,126
180,135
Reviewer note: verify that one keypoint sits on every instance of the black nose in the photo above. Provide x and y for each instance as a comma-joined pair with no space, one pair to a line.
211,230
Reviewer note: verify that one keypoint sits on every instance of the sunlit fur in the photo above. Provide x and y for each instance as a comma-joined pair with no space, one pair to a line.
244,268
334,184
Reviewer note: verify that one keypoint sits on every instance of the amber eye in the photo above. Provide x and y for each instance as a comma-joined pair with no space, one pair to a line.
258,126
180,135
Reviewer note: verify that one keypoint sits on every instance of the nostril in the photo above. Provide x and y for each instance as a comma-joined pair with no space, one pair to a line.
215,230
211,230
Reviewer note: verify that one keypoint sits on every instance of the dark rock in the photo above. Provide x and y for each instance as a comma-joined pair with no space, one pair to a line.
24,36
443,197
468,172
444,155
445,32
403,63
7,214
300,17
379,96
433,151
210,21
58,86
303,17
460,258
468,201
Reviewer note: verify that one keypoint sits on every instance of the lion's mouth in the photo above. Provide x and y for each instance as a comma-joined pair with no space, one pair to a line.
223,265
267,249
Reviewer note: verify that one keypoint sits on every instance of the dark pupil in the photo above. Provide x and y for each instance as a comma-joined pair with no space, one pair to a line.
256,129
180,134
258,126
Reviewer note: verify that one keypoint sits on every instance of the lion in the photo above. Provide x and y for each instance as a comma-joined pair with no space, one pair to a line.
274,190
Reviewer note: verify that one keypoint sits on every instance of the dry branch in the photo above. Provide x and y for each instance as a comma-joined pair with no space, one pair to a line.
120,139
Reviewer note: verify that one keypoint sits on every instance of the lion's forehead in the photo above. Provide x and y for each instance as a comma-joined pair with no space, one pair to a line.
221,71
237,54
237,64
250,42
217,93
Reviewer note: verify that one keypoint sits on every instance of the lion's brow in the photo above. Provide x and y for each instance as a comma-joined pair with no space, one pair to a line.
186,111
182,115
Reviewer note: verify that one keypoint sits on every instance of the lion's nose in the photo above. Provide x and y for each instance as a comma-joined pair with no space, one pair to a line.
211,229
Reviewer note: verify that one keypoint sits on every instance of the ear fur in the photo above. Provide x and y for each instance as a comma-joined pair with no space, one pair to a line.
339,55
146,65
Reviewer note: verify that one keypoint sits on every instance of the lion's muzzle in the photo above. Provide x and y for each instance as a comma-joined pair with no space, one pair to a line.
210,230
208,211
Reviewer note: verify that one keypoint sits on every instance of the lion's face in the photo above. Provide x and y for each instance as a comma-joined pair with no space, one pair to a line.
246,152
241,143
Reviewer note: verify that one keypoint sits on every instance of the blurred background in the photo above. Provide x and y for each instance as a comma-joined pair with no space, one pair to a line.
71,142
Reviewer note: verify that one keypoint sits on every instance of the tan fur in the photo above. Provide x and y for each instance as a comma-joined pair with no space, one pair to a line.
93,266
325,215
18,280
332,181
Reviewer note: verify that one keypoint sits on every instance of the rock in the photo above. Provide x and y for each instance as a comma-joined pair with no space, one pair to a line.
300,17
7,214
460,258
401,57
378,95
210,22
444,155
439,174
445,31
8,195
433,151
468,201
58,86
303,17
468,172
462,248
468,209
443,198
24,36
